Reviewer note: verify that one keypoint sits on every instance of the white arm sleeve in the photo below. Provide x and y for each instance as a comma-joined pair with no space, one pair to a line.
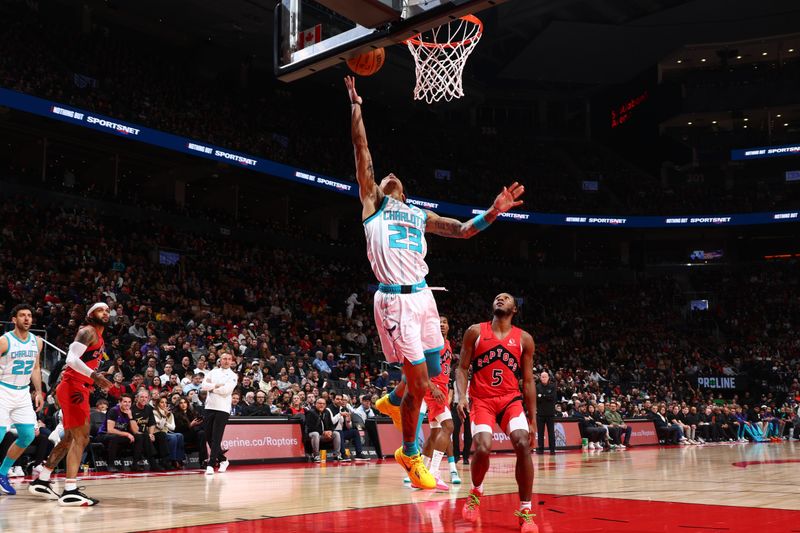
76,350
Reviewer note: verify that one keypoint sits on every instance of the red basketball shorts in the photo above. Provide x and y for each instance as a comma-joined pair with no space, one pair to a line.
506,411
73,397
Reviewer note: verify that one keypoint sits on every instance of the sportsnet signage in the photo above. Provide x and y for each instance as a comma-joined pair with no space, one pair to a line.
72,115
97,122
765,152
259,441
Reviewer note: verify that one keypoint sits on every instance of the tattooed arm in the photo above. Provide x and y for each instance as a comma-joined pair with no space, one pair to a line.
450,227
368,190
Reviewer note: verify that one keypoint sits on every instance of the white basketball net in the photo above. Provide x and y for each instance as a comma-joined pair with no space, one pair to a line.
440,55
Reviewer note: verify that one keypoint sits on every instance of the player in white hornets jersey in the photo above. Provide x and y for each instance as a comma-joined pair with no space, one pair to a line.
19,367
405,311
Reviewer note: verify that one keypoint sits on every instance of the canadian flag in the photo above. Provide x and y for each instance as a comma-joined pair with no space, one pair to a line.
309,37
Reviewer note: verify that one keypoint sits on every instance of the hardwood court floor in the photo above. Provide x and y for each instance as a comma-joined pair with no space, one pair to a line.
740,487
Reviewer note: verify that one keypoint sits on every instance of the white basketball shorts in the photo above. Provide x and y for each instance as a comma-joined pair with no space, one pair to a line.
408,325
16,407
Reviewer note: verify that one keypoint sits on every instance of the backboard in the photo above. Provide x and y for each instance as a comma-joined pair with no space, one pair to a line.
314,35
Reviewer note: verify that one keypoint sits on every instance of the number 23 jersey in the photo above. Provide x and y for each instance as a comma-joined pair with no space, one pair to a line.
396,246
496,364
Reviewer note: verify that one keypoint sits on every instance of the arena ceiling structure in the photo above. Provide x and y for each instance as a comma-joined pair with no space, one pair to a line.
555,45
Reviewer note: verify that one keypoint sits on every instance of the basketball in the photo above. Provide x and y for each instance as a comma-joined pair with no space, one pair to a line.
369,63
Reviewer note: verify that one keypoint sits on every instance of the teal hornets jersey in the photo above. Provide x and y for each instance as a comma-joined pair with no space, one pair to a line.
16,364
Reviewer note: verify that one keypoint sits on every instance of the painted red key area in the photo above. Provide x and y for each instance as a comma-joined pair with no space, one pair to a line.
554,514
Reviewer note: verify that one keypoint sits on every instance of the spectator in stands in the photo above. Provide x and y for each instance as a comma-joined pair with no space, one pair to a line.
165,425
349,429
262,406
599,420
705,429
319,426
668,433
321,365
691,419
620,432
196,383
591,430
673,417
145,420
190,425
121,431
236,407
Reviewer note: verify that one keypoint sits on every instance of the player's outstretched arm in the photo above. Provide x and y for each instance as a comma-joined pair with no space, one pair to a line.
368,190
450,227
462,372
528,382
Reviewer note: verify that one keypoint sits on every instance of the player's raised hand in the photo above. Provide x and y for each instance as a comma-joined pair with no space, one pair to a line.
509,197
350,83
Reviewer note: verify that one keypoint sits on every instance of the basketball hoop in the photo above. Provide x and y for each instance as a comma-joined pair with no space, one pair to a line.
440,55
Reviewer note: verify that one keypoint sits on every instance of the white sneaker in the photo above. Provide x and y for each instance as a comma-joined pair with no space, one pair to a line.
209,470
38,468
621,446
592,446
223,466
16,472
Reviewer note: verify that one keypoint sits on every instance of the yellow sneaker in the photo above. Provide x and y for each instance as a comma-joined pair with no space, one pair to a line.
392,411
419,475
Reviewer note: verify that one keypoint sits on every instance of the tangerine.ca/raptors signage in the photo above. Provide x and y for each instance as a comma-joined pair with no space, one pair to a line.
567,433
262,441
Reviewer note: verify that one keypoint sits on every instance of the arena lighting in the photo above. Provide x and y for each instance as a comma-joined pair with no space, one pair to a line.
689,123
785,123
703,60
713,121
790,50
738,57
275,170
746,119
763,53
778,115
679,61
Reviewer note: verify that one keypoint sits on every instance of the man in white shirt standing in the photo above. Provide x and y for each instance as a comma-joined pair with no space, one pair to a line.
219,383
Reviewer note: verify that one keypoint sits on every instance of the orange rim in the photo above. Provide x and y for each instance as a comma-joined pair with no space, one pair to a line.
417,41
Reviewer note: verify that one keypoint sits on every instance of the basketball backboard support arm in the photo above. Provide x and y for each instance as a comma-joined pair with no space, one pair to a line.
292,63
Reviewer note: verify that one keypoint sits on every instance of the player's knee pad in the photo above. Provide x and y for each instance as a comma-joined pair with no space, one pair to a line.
433,362
25,435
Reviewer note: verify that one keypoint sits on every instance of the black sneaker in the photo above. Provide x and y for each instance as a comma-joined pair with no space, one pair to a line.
361,457
43,489
75,498
317,459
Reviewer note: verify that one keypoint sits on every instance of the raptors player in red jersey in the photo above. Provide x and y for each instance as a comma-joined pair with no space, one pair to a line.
440,419
85,355
501,355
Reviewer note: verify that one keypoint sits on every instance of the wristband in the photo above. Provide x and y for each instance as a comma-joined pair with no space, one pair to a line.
479,222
